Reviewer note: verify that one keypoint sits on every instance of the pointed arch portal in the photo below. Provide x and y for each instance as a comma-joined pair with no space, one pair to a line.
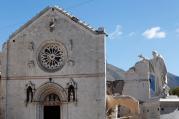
50,99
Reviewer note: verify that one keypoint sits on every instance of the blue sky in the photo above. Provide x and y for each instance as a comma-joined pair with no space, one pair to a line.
134,26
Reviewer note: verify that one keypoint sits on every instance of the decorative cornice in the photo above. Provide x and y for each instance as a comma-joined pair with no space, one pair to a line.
53,76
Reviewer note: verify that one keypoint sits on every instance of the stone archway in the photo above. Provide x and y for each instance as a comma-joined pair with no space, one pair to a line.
112,103
50,99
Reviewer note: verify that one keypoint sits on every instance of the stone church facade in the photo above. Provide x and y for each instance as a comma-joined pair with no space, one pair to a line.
53,67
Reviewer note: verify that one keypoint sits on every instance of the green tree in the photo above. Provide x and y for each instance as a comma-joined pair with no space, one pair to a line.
174,91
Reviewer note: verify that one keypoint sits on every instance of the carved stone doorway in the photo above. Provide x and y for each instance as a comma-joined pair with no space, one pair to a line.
52,106
51,99
52,112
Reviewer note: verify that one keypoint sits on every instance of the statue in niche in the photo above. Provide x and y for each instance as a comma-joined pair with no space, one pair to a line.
71,62
29,94
71,86
31,64
70,44
30,88
71,93
52,24
31,46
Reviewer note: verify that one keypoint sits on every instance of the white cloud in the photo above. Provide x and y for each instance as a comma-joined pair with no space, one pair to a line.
177,30
116,33
132,34
154,32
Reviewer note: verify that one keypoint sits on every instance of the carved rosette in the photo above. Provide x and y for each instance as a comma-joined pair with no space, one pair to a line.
52,56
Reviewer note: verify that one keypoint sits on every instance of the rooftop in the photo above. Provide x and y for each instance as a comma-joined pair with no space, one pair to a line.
100,30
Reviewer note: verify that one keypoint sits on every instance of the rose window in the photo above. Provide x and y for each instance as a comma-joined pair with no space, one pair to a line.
52,57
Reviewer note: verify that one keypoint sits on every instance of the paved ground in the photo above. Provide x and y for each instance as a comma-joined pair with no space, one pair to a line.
173,115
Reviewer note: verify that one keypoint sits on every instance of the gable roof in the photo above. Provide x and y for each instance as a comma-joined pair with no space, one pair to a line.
100,30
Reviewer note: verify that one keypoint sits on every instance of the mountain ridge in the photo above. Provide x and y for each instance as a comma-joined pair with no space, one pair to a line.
116,73
173,80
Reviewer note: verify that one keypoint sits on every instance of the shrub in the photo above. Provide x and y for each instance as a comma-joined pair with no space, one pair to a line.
174,91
